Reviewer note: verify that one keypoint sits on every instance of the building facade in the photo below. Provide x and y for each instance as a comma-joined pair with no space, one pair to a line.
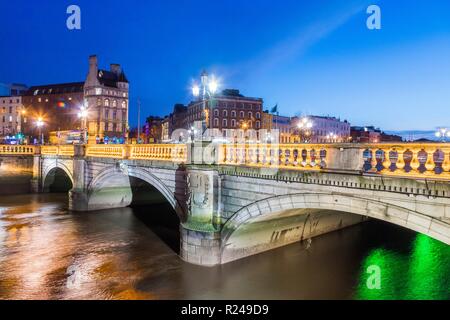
227,111
11,116
57,105
329,130
104,96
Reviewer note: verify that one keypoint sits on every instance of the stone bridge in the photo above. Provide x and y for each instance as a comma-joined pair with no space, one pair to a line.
236,200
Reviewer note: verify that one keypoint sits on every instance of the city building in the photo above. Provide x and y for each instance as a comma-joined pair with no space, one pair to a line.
106,95
226,111
12,89
370,134
283,125
328,129
103,98
153,130
11,116
176,120
367,134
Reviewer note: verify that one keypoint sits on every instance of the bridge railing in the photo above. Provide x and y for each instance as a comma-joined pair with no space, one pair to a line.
412,159
63,150
401,159
17,150
292,156
160,152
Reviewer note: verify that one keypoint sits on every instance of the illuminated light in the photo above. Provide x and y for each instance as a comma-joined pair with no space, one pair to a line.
213,86
196,90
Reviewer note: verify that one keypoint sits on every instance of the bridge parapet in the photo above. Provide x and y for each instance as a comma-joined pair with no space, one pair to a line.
418,160
160,152
18,150
63,150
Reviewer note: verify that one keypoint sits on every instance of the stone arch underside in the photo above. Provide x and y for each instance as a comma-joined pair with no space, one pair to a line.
49,169
321,208
111,188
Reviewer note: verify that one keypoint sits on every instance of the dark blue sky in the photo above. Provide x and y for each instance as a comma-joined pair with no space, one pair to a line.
310,57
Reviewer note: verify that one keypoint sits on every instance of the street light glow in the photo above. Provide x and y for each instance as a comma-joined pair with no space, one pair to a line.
213,86
196,90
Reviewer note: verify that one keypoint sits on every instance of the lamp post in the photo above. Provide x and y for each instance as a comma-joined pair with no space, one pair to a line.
208,89
40,124
192,132
83,114
304,129
443,133
23,113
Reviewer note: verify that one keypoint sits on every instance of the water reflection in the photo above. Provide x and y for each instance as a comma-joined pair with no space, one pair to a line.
47,252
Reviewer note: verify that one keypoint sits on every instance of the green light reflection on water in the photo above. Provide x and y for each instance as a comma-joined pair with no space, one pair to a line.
421,274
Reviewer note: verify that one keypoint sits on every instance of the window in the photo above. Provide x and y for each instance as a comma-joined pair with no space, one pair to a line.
10,109
241,114
106,102
224,123
233,123
225,113
39,99
216,122
233,114
258,125
98,91
124,104
114,103
216,112
250,115
10,119
106,114
99,102
114,116
258,115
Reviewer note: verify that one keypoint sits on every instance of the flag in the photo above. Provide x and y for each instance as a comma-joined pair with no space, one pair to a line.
274,109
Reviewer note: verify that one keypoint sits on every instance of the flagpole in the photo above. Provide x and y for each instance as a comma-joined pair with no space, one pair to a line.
139,122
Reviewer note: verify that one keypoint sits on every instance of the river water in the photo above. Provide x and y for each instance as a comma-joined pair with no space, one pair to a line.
47,252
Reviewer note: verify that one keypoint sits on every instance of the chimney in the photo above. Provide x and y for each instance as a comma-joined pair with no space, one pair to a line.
115,68
93,71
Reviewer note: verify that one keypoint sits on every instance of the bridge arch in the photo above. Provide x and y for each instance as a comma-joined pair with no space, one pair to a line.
107,176
55,171
339,203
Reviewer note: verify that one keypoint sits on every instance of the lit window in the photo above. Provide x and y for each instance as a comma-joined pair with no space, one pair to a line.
106,102
98,91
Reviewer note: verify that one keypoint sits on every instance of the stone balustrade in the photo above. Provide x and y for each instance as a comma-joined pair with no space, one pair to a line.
63,150
290,156
162,152
17,150
413,159
418,160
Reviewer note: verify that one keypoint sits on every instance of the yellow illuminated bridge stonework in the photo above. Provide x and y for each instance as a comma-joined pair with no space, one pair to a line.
236,200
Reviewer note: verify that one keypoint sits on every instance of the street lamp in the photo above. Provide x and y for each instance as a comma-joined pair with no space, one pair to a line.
40,124
304,128
209,87
443,133
192,133
83,114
